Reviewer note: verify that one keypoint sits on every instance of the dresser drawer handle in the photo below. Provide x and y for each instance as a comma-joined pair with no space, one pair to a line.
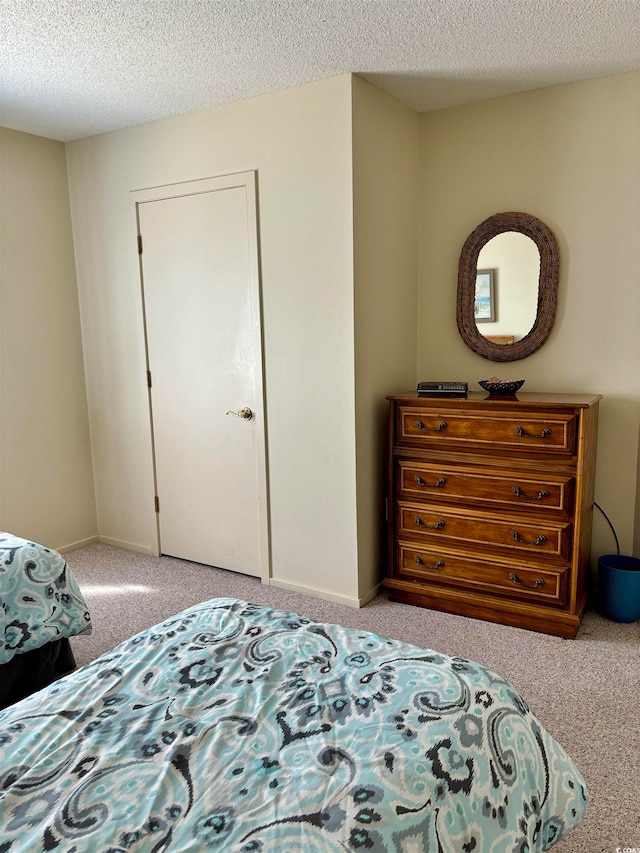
420,523
439,564
534,585
439,482
543,493
537,541
545,432
441,425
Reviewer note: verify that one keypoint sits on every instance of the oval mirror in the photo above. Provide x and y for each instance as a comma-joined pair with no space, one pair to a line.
507,286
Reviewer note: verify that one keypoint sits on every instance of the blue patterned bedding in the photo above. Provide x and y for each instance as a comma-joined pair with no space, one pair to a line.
40,600
233,727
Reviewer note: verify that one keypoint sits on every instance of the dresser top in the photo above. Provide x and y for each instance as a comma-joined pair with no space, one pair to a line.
524,398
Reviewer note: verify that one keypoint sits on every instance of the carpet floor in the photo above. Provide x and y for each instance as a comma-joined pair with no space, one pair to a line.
586,691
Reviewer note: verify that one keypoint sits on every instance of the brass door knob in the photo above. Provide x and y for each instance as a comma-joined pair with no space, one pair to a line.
245,414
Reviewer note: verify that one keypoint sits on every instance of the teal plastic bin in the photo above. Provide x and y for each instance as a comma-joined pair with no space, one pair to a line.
619,587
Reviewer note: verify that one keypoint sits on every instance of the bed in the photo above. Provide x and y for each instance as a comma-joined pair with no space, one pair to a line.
235,727
41,606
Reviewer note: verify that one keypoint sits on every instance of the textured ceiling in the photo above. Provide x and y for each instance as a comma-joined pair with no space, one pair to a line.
73,68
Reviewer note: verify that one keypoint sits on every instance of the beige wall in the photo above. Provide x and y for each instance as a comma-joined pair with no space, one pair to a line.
46,480
385,209
337,164
569,155
299,140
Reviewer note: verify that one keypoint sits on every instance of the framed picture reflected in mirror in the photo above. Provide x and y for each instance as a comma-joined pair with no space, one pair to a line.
484,306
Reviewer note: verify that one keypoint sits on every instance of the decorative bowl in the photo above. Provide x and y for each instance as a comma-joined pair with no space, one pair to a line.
499,388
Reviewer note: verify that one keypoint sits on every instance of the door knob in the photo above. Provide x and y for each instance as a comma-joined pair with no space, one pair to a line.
245,414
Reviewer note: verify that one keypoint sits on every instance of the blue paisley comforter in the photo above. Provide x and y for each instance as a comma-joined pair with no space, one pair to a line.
40,600
233,727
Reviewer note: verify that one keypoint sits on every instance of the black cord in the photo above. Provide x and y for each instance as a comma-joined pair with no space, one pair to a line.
610,525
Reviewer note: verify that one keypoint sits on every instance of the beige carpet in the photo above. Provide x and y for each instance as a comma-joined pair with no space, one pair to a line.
585,691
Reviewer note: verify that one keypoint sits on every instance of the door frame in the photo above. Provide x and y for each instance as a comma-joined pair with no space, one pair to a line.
248,182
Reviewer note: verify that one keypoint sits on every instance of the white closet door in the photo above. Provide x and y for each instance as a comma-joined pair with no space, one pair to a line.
202,312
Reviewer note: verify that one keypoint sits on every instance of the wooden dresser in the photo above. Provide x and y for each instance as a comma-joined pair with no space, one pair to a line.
490,506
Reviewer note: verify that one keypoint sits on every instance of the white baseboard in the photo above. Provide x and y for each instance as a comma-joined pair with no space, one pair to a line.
75,545
128,546
365,599
315,593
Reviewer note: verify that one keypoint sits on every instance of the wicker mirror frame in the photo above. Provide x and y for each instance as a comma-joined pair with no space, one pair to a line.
547,286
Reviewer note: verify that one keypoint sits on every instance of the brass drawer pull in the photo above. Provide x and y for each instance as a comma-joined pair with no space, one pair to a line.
420,523
534,585
543,493
441,425
439,482
542,538
439,564
545,432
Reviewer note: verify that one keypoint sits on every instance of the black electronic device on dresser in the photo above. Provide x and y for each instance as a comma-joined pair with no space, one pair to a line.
442,389
490,505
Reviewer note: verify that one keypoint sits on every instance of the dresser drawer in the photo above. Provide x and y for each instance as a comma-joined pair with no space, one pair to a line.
541,538
439,566
426,480
537,432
